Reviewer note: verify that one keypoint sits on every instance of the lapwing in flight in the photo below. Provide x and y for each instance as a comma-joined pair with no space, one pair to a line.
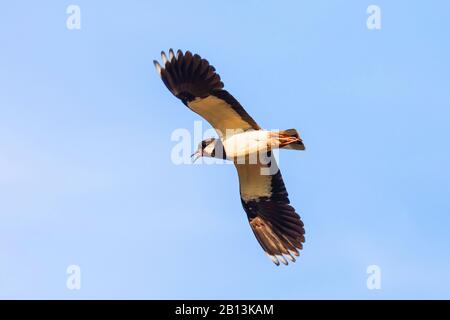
273,220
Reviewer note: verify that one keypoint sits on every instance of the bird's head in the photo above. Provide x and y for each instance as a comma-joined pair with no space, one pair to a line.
210,147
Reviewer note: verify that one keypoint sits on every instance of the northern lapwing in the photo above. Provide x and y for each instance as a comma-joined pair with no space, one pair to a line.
274,222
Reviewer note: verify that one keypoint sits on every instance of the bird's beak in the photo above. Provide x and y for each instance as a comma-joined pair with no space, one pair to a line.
195,156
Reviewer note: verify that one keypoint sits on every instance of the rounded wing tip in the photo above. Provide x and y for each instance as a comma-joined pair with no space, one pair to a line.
294,252
274,259
171,55
291,257
283,258
163,57
157,67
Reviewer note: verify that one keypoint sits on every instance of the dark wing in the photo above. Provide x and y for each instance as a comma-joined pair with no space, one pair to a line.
194,81
274,222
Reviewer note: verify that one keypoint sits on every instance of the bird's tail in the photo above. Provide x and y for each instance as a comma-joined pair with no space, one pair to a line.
290,139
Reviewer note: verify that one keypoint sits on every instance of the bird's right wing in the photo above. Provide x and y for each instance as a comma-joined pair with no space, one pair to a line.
274,222
195,82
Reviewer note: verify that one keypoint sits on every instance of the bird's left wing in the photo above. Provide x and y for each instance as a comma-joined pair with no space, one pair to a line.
194,81
277,227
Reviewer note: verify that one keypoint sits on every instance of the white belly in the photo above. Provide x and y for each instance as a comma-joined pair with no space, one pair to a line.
247,143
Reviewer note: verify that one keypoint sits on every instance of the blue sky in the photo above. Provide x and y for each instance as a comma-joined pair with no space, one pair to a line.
86,176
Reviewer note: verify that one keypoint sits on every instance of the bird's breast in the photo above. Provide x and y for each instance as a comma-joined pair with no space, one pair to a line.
247,143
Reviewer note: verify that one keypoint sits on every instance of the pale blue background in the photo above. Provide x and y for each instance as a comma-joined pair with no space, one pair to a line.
85,170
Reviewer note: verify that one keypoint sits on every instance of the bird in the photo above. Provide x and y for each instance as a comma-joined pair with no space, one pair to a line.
276,225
